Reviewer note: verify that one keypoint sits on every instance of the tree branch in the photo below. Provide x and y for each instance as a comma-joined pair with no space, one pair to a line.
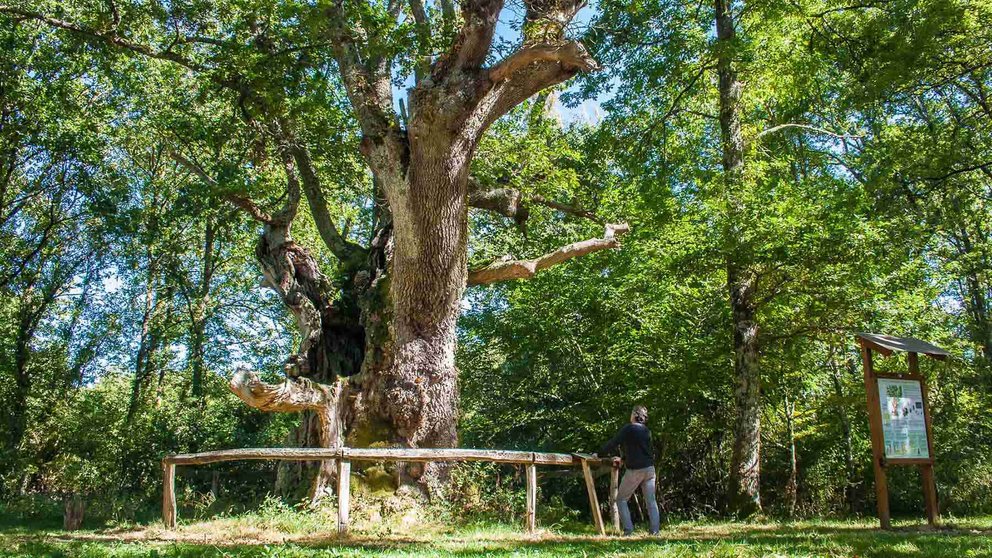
544,59
422,26
294,394
524,269
111,38
286,215
343,249
774,129
510,203
569,55
368,86
471,46
241,202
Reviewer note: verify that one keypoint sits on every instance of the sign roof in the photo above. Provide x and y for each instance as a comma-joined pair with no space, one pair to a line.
886,344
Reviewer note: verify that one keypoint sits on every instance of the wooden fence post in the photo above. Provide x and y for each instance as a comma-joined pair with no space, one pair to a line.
169,494
344,494
614,487
597,516
531,498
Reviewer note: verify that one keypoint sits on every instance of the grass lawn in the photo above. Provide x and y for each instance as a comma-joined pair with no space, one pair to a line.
265,536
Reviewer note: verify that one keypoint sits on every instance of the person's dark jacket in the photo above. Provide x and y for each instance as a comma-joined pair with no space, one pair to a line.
636,441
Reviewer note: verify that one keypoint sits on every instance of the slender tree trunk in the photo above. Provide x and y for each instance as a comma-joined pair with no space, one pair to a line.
976,296
200,312
792,484
744,491
850,470
17,422
142,361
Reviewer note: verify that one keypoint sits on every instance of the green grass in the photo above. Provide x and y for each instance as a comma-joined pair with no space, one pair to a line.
274,532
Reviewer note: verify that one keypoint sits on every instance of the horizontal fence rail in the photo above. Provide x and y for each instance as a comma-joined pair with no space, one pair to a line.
344,457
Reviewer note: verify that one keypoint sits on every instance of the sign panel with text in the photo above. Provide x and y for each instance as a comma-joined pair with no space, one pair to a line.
904,425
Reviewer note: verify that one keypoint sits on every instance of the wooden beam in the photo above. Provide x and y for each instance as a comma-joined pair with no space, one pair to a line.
531,498
169,495
597,516
877,441
614,488
344,494
383,454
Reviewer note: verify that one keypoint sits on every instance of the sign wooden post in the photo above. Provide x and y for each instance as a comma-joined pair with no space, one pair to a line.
926,469
899,419
877,444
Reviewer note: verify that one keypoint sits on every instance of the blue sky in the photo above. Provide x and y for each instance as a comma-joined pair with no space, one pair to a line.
508,35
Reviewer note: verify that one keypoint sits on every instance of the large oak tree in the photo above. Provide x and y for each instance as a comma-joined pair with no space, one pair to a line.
376,360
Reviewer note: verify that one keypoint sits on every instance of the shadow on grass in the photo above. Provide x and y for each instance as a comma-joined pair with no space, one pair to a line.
723,540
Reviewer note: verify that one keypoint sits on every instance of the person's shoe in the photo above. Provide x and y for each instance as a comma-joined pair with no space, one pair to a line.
628,533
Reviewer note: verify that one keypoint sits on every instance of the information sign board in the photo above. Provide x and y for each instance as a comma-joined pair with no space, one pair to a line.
904,425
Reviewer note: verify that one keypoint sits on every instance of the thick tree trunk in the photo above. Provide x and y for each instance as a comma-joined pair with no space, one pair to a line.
745,464
332,346
410,383
744,491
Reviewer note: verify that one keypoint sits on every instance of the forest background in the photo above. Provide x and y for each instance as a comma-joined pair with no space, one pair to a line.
129,289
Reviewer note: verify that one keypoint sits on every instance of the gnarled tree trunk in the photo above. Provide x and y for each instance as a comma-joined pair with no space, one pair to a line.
376,362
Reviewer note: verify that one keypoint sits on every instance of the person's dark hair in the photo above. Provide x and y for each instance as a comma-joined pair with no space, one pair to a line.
640,414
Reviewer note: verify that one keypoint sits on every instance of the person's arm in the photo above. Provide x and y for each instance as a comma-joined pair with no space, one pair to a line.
614,442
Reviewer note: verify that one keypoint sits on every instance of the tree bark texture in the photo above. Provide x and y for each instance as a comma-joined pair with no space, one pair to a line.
744,485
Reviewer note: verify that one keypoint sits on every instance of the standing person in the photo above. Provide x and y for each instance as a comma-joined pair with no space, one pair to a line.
636,441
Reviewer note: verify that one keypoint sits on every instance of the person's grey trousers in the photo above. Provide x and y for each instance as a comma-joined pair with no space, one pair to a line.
633,478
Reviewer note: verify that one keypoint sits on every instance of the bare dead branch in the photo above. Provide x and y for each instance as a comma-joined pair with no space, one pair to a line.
816,129
509,270
570,54
292,395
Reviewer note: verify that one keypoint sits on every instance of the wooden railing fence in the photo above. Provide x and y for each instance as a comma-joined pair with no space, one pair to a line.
344,457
